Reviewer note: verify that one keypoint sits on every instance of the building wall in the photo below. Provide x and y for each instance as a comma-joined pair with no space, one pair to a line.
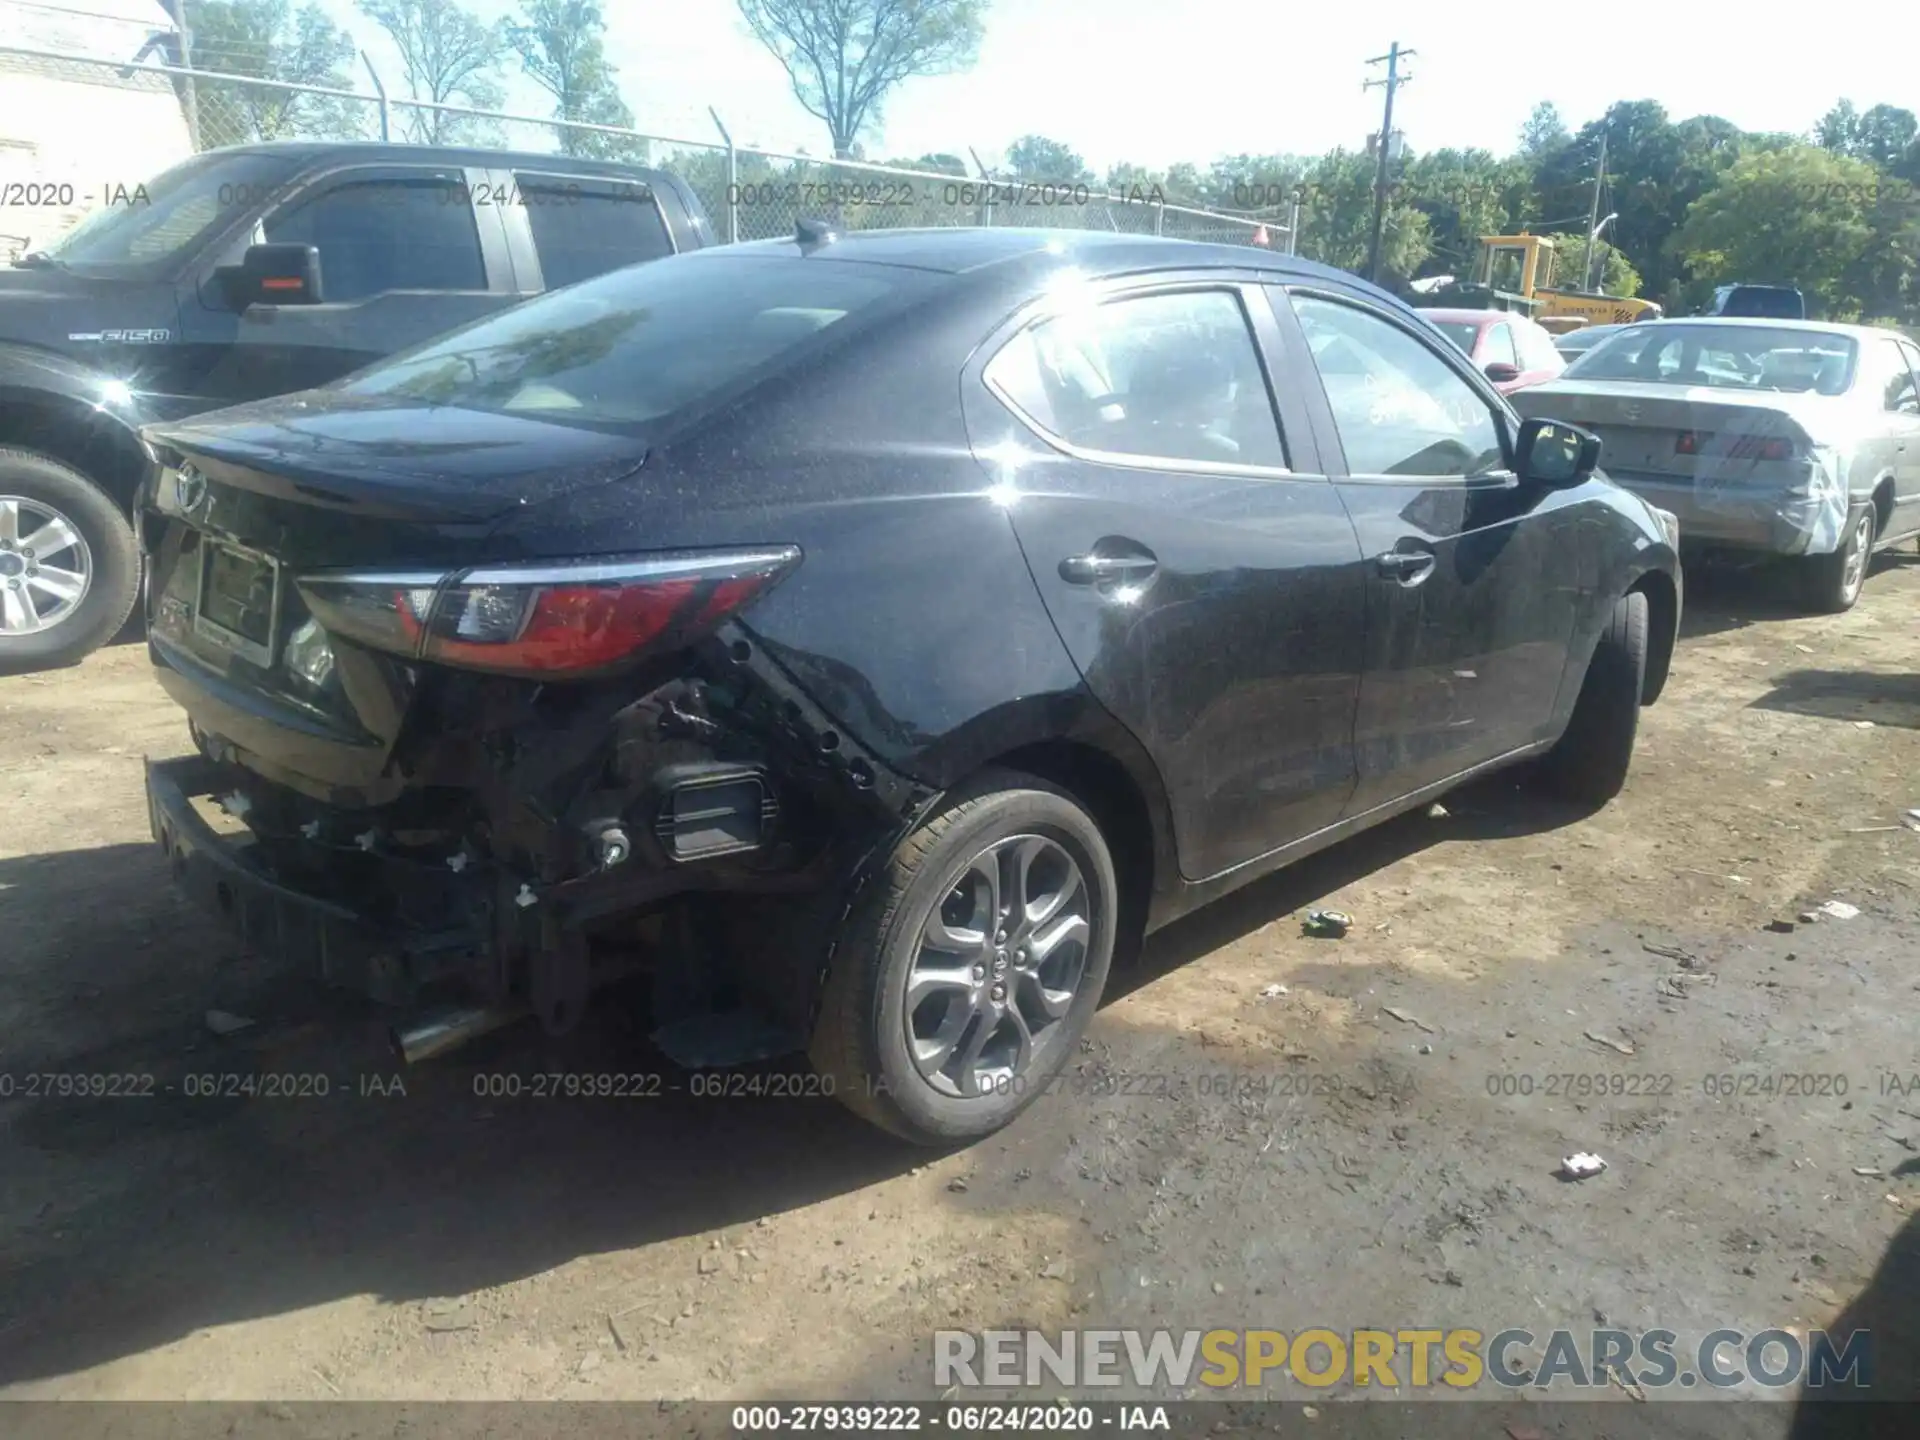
70,133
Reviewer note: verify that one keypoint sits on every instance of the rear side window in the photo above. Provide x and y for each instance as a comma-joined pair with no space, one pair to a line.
640,344
1892,378
1174,376
1500,346
389,234
582,229
1760,302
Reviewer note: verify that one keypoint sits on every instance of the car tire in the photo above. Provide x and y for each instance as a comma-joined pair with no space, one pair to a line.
1832,583
36,491
876,1049
1591,760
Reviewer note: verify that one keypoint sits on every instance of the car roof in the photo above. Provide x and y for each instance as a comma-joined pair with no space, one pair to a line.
309,152
1774,322
1468,317
960,249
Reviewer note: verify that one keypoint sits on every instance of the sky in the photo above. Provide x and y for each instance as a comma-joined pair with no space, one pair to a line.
1156,82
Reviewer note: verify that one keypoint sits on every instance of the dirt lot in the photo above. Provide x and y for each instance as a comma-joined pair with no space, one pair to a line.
1365,1169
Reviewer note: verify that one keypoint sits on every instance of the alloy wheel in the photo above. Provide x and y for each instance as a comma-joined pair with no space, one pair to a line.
1859,556
46,568
998,964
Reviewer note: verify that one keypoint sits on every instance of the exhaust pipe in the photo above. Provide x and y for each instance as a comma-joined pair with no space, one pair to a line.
446,1030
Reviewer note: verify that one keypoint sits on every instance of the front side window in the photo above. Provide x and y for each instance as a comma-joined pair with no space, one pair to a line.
377,236
1400,409
1173,376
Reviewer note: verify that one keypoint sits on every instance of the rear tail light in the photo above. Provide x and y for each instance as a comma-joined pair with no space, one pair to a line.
1744,447
544,618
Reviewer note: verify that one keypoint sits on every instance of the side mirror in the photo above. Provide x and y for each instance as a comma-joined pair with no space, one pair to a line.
1556,454
1500,372
274,275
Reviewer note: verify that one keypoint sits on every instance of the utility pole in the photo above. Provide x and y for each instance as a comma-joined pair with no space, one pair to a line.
1593,213
176,11
1393,82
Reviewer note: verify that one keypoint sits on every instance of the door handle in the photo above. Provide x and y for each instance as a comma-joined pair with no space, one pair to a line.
1409,567
1107,569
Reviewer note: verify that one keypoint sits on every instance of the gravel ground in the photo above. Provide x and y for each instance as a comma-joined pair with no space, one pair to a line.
1264,1129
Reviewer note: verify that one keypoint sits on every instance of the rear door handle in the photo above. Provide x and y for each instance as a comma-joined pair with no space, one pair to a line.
1107,569
1409,567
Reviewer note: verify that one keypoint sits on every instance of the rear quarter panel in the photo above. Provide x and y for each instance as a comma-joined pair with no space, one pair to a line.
1619,542
912,618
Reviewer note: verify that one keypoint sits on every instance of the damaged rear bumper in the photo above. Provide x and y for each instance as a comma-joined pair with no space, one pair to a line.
319,937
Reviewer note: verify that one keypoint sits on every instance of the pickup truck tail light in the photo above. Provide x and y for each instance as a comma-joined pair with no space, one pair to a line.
545,619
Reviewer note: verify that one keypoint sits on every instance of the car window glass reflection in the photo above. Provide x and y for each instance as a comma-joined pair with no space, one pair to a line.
1399,408
1172,376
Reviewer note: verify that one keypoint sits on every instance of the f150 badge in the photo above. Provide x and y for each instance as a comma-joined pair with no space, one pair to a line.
123,337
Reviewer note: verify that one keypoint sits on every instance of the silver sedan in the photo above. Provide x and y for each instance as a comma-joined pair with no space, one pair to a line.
1791,438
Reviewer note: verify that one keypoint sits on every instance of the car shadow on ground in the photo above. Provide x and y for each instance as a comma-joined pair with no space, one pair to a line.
1847,695
135,1220
1500,806
1724,595
1889,1311
1729,594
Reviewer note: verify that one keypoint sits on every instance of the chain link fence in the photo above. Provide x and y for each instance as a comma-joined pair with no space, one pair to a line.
750,193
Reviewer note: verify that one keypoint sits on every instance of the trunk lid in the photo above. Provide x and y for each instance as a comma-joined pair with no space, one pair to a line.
248,499
1641,426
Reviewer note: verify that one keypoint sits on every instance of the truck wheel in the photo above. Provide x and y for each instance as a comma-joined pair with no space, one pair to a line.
971,963
1832,583
1590,762
69,567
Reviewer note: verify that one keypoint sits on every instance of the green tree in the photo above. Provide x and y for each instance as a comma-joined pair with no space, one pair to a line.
940,162
562,51
1336,217
1263,183
1613,273
844,57
1464,194
447,56
1544,131
1038,159
1803,217
270,40
1880,135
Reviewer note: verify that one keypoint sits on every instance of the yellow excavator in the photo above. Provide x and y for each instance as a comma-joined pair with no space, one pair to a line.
1515,272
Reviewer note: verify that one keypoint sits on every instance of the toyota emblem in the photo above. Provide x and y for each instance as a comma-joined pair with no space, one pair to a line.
189,488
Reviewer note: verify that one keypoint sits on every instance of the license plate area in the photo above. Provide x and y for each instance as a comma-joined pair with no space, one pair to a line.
237,600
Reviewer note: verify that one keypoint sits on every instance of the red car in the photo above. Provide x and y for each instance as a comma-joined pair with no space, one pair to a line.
1510,349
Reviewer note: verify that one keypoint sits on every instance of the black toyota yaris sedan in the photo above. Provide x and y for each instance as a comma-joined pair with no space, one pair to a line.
868,630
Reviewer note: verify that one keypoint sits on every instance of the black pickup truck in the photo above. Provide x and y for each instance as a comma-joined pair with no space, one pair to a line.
250,272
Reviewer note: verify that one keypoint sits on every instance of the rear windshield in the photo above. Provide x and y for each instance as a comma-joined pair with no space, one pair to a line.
1762,302
1575,340
642,343
1723,357
1460,332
